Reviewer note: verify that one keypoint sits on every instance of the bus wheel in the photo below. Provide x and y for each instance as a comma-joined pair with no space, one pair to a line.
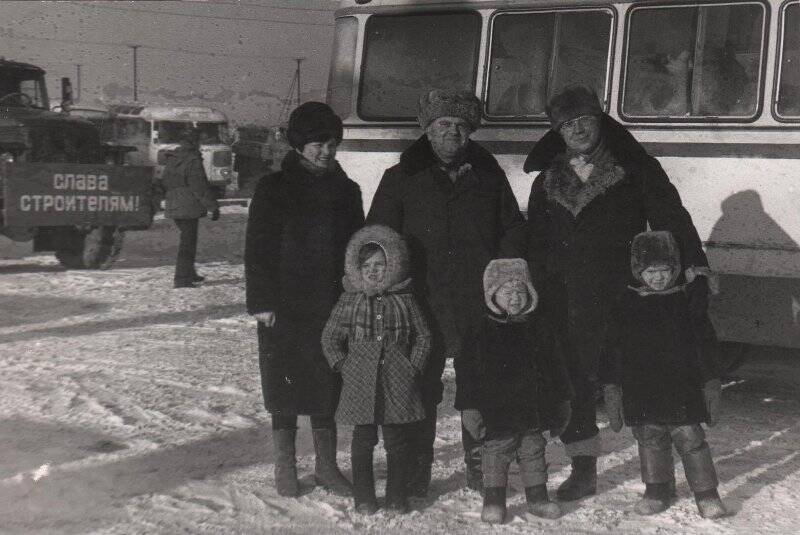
96,249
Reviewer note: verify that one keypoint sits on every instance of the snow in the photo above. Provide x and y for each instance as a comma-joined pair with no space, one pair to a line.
130,407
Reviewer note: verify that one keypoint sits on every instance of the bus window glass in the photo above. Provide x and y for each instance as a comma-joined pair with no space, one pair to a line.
340,82
130,131
696,61
789,88
406,55
534,55
211,133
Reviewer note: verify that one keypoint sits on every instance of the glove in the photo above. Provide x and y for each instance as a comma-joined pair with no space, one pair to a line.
215,214
712,395
612,397
563,413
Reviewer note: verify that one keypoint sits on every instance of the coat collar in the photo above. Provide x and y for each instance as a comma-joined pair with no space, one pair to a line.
420,156
291,164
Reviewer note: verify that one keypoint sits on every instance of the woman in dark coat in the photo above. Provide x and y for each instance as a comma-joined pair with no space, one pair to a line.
599,188
300,221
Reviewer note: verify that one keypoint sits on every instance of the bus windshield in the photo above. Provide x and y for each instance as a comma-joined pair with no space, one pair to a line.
20,88
210,133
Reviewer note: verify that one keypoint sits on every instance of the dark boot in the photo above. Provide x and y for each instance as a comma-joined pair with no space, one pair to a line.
655,500
539,503
396,483
364,484
419,478
472,460
709,504
581,482
285,468
326,472
494,505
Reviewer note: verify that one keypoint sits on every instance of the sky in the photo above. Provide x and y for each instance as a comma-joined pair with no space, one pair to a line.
231,55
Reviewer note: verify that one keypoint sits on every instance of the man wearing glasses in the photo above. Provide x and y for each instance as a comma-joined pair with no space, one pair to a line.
597,189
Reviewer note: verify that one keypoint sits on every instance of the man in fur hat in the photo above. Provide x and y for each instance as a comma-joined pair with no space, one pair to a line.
452,202
598,188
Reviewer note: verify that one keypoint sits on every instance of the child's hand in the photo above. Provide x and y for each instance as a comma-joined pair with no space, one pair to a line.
563,413
712,395
612,396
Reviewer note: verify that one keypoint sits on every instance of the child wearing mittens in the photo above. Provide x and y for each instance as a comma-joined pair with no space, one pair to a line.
377,338
513,375
660,376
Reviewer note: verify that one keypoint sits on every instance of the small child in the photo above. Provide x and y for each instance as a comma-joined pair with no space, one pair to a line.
377,338
514,377
660,376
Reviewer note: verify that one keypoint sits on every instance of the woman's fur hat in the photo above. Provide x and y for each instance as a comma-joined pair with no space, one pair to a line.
501,271
449,103
313,121
571,102
657,247
395,249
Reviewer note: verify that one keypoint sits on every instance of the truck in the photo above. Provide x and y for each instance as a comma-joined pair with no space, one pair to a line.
60,186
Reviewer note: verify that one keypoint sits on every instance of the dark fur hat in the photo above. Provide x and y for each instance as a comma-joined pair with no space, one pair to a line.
571,102
653,248
313,121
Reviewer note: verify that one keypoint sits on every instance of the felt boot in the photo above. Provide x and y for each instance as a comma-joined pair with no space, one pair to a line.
539,503
326,472
655,500
285,463
709,504
494,505
581,482
396,484
364,484
419,477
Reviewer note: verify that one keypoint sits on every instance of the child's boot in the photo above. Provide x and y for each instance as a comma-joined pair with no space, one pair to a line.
699,467
326,472
710,504
658,474
285,463
539,503
396,483
364,484
581,482
655,500
494,505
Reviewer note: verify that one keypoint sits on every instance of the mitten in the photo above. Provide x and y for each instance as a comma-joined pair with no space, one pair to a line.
712,395
612,396
215,214
561,417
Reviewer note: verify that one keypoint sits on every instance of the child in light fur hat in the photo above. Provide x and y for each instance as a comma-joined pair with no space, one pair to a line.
377,338
513,375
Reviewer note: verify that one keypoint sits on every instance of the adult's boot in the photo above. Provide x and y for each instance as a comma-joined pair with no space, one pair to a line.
539,503
396,482
581,482
364,484
494,505
285,463
326,472
419,478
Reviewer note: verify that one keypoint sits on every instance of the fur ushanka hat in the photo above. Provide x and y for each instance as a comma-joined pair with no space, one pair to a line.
313,121
449,103
655,248
572,102
394,248
504,270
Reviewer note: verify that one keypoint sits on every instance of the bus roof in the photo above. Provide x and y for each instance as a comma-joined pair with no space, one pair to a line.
187,114
353,6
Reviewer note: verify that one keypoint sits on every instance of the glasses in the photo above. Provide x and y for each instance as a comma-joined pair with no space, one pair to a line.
584,121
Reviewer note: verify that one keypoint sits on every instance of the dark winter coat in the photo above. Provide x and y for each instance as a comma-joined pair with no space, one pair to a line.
579,235
453,231
188,193
661,352
297,231
513,373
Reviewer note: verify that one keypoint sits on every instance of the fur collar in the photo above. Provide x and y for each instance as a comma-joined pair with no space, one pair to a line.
564,187
420,156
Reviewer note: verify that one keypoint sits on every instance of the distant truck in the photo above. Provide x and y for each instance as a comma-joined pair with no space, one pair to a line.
258,151
60,186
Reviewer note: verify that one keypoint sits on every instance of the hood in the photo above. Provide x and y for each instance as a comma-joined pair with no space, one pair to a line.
655,247
397,259
501,271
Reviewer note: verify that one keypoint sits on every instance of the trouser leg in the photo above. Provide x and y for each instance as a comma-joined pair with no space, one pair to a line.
497,454
530,457
655,453
690,441
365,437
581,435
187,250
473,433
396,442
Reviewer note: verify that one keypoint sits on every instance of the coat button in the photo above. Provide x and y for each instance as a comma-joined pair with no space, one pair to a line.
379,338
379,316
378,298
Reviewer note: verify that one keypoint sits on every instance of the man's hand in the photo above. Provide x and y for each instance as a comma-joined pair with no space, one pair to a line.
267,318
215,214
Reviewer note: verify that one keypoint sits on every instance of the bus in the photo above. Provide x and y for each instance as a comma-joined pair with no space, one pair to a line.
710,88
154,131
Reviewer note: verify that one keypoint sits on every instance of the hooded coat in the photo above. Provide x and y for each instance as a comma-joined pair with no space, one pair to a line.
453,230
579,235
659,347
188,193
297,231
378,338
511,371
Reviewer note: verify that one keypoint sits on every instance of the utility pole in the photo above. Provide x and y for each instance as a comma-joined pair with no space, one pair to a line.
297,77
78,79
135,73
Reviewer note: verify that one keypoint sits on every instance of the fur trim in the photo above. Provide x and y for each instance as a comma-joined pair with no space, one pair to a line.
563,186
503,270
397,258
652,248
449,103
420,156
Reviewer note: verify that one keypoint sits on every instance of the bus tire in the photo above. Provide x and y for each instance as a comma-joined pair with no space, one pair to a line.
96,249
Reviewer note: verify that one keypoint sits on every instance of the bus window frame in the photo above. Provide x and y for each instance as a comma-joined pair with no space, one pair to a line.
707,119
543,120
776,86
365,49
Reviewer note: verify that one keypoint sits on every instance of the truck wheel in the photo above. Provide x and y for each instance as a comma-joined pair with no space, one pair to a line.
96,249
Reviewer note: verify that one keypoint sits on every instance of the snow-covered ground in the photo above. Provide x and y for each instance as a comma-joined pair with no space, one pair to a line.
130,407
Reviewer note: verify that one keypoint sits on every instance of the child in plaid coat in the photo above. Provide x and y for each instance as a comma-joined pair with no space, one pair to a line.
377,338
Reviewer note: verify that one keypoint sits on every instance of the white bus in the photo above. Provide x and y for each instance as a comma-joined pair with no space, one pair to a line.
711,88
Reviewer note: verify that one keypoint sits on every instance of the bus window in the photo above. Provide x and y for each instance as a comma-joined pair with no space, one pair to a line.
534,55
132,131
405,55
211,133
789,87
694,61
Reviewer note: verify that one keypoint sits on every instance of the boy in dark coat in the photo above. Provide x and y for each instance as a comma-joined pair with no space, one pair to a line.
513,375
660,376
378,340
